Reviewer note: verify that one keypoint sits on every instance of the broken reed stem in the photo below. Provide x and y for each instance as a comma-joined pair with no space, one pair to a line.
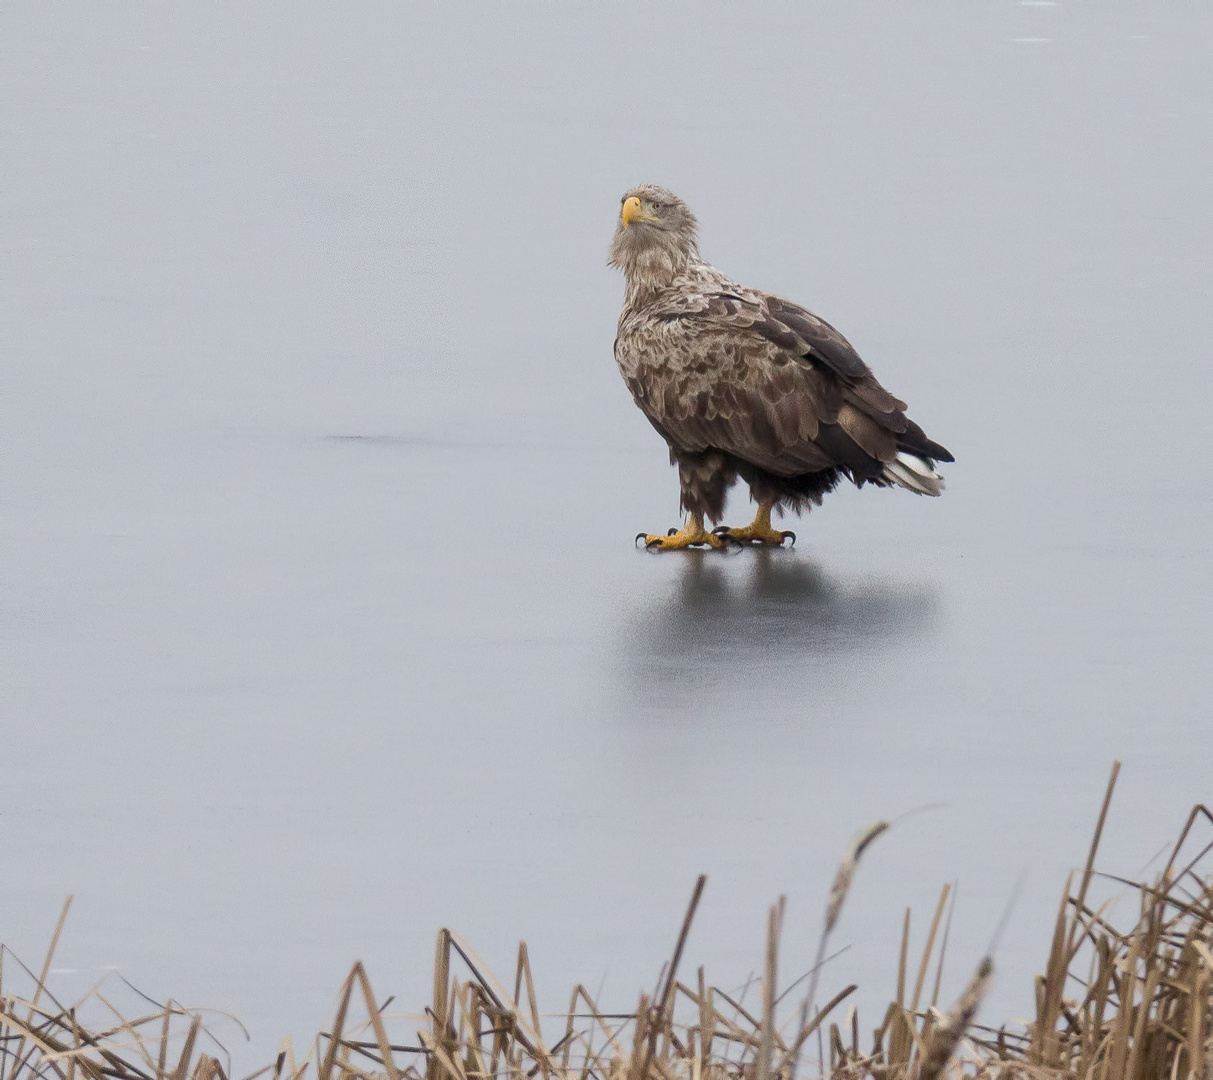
1089,869
692,907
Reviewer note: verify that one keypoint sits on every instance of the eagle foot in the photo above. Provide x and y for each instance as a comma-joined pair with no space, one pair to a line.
757,535
692,534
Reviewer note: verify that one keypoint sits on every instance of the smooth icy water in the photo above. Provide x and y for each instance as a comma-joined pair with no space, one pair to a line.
321,623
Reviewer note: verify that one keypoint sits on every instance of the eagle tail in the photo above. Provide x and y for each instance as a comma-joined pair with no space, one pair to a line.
914,472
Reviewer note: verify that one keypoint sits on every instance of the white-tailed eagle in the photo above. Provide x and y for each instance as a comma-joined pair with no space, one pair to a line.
741,383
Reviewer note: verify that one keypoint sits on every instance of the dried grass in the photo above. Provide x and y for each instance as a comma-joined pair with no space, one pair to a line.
1113,1004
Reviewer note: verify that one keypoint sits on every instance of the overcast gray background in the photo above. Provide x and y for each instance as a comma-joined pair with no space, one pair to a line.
321,621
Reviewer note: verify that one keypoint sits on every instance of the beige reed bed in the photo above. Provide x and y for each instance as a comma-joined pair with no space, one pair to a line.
1127,1002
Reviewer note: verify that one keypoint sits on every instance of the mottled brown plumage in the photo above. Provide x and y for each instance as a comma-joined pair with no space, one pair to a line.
741,383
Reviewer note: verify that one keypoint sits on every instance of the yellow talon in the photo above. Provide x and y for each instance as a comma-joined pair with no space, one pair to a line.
759,530
692,533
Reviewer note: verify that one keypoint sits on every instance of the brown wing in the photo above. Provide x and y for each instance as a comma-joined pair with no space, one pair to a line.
766,381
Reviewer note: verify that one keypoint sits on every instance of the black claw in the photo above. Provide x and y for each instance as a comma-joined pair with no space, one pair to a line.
720,530
654,543
788,535
671,532
639,536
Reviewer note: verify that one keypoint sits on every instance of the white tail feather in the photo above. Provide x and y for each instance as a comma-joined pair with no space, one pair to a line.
915,473
919,465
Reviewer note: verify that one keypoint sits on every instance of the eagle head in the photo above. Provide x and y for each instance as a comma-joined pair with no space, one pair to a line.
655,234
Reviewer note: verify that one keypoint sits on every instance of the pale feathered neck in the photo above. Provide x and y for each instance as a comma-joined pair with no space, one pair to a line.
652,268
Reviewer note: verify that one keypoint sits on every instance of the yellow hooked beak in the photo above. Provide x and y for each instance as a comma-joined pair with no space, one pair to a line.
633,211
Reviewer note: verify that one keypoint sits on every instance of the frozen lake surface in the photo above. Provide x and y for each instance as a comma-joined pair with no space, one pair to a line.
322,626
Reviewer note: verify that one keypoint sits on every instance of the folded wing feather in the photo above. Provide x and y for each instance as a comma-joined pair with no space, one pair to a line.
772,384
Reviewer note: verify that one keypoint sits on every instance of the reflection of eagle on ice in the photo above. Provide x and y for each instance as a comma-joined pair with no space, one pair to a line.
743,384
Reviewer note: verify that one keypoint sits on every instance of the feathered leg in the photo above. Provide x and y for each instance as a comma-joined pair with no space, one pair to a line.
759,530
690,534
703,479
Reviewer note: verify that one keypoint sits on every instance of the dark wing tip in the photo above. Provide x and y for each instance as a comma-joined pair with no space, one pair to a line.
934,450
915,440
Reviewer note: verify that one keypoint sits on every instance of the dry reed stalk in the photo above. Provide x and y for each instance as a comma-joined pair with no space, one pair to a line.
926,955
943,949
766,1039
838,895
